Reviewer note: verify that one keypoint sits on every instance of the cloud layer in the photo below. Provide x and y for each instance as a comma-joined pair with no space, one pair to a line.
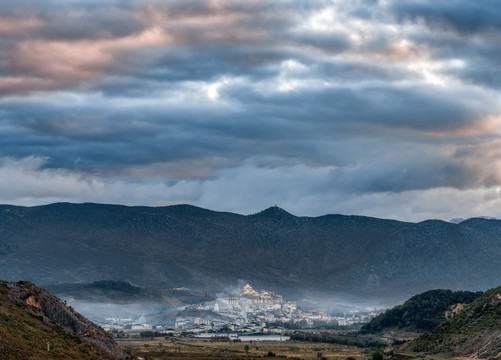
382,108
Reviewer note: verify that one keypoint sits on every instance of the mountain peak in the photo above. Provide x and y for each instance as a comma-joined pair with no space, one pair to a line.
275,212
487,217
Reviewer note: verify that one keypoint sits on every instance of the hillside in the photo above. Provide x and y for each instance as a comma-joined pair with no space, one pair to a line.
118,292
473,332
30,318
185,246
121,292
421,312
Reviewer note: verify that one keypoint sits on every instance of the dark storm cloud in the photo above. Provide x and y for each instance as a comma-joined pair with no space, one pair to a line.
77,24
269,126
464,17
335,101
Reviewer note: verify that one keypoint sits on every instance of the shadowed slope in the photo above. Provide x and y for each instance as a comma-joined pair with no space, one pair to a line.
186,246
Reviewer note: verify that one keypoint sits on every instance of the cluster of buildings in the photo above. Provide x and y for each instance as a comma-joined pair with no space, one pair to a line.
250,314
134,327
356,317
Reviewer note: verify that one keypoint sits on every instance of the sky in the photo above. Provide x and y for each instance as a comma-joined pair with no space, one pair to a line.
382,108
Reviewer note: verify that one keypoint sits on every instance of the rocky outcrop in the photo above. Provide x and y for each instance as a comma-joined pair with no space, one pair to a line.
52,311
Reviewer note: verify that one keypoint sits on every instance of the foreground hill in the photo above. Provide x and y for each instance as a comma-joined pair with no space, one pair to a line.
421,312
473,332
186,246
30,318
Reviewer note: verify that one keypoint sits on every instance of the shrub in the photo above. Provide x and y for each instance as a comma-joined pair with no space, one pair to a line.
377,355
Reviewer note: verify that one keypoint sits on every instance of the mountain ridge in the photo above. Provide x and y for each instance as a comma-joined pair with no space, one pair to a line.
183,245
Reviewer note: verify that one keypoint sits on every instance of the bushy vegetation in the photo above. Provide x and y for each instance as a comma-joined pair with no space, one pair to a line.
474,330
421,312
377,355
362,341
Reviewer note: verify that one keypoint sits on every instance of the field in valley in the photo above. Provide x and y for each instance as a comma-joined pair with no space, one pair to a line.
186,348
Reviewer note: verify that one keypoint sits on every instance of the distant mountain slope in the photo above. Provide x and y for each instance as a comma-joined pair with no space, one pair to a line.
421,312
30,318
182,245
473,332
120,292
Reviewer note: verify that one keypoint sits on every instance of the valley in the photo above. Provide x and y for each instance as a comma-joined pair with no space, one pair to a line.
180,277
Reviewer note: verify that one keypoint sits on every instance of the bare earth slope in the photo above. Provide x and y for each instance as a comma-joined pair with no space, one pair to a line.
30,318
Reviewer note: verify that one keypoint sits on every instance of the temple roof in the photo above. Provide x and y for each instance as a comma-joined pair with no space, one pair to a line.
249,291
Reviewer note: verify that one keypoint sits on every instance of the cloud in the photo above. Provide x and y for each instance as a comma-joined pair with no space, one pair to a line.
335,102
466,18
19,25
299,189
26,181
55,63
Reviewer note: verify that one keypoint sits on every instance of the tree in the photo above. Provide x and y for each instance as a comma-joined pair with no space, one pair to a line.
146,334
377,355
246,347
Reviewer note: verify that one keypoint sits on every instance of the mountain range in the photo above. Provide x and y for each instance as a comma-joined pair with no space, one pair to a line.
186,246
